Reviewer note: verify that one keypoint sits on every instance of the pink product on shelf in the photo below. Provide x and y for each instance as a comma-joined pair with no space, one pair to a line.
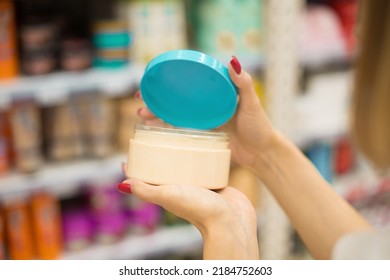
321,36
347,10
104,200
110,227
143,216
77,229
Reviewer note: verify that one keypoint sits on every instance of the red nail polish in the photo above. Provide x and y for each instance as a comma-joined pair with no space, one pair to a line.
138,95
236,65
124,188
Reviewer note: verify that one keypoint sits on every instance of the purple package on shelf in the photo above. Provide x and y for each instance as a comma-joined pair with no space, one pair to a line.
104,199
142,214
77,228
109,227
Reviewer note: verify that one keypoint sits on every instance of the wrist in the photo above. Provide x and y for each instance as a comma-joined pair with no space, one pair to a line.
230,240
265,155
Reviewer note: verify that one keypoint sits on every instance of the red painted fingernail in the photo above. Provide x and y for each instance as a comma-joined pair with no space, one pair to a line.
124,188
236,65
139,111
138,95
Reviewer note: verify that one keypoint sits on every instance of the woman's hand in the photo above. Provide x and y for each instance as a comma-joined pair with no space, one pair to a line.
225,218
250,131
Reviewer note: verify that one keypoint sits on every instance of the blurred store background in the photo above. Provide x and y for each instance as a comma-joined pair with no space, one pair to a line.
68,72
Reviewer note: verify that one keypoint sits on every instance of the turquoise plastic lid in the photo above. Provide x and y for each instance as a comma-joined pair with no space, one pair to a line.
189,89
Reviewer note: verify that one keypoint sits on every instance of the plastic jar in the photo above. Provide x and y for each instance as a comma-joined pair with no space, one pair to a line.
160,155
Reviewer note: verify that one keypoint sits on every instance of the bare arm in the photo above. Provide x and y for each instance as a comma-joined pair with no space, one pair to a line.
317,212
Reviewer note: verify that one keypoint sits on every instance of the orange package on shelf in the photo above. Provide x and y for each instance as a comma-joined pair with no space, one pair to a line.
45,213
18,230
8,49
2,246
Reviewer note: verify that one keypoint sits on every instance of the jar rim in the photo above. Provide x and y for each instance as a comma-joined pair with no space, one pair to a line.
214,135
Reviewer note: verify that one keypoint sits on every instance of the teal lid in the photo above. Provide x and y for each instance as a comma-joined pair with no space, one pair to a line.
189,89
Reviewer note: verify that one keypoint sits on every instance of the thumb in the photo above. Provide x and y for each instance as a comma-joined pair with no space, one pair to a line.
244,83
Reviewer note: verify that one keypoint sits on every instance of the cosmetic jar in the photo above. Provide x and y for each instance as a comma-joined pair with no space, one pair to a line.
193,94
160,155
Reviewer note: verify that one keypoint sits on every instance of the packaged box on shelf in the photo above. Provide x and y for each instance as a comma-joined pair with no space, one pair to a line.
219,31
26,134
8,47
46,221
18,229
157,26
5,143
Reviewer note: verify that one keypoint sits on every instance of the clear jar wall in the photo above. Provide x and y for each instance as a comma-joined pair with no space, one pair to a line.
178,156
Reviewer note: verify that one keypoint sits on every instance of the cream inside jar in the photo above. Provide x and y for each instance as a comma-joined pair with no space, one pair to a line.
159,155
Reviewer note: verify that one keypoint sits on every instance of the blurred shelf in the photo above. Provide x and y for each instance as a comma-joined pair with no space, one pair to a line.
57,87
63,178
322,112
163,241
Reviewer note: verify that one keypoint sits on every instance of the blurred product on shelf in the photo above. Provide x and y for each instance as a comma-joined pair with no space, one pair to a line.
46,221
26,134
101,126
5,143
111,34
320,154
334,158
104,198
347,11
77,228
8,47
128,118
156,26
37,34
343,156
320,36
106,208
84,126
220,31
2,237
142,217
111,59
75,54
18,229
321,39
111,41
63,132
39,47
38,62
109,227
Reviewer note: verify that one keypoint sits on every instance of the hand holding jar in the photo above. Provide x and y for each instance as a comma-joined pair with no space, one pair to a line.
225,210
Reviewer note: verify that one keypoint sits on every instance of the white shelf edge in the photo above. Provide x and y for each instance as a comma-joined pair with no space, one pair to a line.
164,240
60,177
57,87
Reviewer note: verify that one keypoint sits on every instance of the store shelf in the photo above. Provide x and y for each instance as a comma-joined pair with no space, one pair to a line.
57,87
165,240
63,178
322,111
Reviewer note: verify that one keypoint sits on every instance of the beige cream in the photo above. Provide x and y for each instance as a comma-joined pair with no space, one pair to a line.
177,156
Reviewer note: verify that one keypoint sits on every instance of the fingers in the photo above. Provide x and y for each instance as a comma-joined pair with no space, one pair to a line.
145,114
192,203
243,81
